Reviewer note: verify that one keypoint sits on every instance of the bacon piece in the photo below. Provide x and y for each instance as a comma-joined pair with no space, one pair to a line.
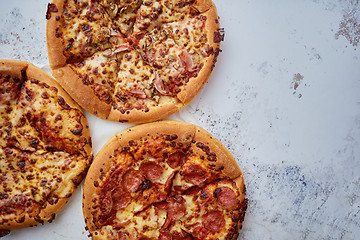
152,170
186,61
225,196
132,180
176,159
195,174
214,221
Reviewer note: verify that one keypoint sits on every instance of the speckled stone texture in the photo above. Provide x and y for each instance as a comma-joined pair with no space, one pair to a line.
284,98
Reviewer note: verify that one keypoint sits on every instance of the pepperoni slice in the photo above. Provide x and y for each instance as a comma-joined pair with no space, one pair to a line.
195,174
132,180
120,199
176,159
176,208
174,235
180,235
152,170
165,235
226,197
168,182
214,221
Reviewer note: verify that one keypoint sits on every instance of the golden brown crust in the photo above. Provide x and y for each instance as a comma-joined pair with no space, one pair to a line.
142,116
95,170
203,5
47,211
195,85
224,158
47,214
81,93
193,135
13,67
54,43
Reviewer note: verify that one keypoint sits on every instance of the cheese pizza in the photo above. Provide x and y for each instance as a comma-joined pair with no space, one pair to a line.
45,146
133,60
164,180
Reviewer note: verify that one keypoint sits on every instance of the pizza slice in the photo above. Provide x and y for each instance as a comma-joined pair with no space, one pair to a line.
34,126
136,92
178,51
77,30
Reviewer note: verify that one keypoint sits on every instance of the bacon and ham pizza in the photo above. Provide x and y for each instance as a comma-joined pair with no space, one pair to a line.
164,180
133,60
45,146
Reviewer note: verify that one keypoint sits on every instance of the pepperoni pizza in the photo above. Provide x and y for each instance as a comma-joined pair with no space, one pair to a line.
164,180
133,60
45,146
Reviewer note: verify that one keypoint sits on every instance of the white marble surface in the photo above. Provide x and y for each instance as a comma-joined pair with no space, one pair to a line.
284,98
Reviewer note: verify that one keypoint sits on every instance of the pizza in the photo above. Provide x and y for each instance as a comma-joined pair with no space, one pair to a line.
133,61
45,146
164,180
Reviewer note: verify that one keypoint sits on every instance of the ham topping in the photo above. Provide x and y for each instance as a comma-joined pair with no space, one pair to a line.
138,93
160,87
122,48
186,61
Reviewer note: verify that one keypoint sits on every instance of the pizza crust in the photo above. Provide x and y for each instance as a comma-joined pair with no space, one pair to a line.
13,67
141,116
185,132
47,212
54,44
81,93
203,5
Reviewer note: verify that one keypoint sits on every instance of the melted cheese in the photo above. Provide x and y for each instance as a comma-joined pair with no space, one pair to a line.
39,119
